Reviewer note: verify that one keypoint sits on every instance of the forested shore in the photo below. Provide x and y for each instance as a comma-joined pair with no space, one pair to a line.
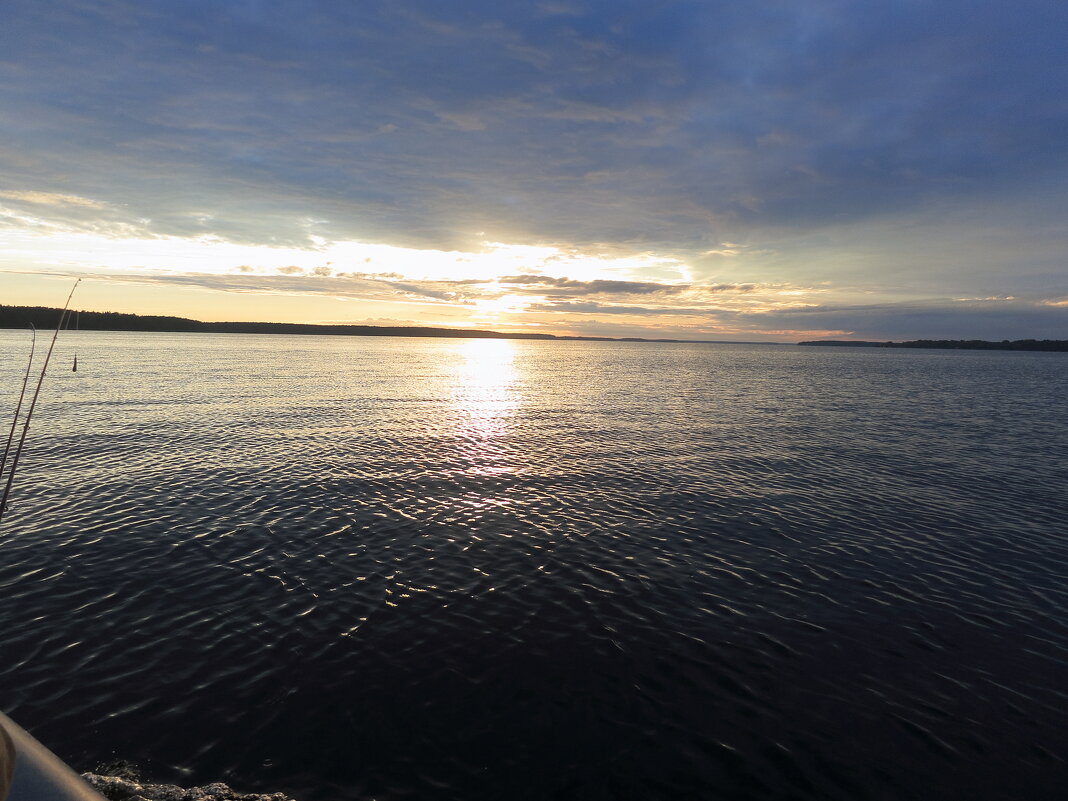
951,344
45,317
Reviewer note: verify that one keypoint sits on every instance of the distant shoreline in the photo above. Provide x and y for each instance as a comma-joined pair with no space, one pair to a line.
950,344
45,317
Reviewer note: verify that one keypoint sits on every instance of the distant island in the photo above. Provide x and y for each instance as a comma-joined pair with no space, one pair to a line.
951,344
45,317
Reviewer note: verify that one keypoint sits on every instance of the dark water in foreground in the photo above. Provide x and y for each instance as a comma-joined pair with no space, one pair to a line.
431,569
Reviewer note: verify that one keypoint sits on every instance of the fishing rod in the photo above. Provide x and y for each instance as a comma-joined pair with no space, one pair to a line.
33,402
22,396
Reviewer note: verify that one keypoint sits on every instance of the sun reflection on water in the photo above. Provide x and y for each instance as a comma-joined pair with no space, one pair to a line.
486,394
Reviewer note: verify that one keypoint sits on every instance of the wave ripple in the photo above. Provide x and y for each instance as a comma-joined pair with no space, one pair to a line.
389,568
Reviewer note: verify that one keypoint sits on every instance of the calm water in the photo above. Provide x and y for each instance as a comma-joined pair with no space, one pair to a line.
433,569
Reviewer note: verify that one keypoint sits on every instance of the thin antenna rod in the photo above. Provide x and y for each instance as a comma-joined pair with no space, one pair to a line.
33,404
22,395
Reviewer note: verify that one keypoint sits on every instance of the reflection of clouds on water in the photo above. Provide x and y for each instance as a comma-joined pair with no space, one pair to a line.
485,395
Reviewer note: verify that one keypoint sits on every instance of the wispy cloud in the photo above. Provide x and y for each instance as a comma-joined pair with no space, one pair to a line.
52,199
595,287
741,316
592,307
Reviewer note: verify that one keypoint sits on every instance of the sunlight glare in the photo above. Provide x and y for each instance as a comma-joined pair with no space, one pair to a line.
485,395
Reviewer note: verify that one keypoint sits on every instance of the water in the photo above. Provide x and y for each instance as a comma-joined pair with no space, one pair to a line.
444,569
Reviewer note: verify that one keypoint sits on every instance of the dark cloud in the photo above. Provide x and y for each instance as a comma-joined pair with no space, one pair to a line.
596,287
423,123
934,319
900,148
988,318
570,287
726,287
421,290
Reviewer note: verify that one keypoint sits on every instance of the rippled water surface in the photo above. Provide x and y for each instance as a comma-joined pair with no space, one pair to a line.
356,568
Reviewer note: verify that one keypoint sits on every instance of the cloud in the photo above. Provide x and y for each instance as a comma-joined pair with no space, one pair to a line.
421,291
997,318
595,287
737,318
295,281
932,319
53,199
591,307
727,287
746,144
586,122
569,287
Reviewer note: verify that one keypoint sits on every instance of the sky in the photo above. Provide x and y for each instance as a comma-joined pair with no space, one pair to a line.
755,170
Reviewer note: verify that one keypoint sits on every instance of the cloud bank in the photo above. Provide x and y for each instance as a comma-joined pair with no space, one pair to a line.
898,151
